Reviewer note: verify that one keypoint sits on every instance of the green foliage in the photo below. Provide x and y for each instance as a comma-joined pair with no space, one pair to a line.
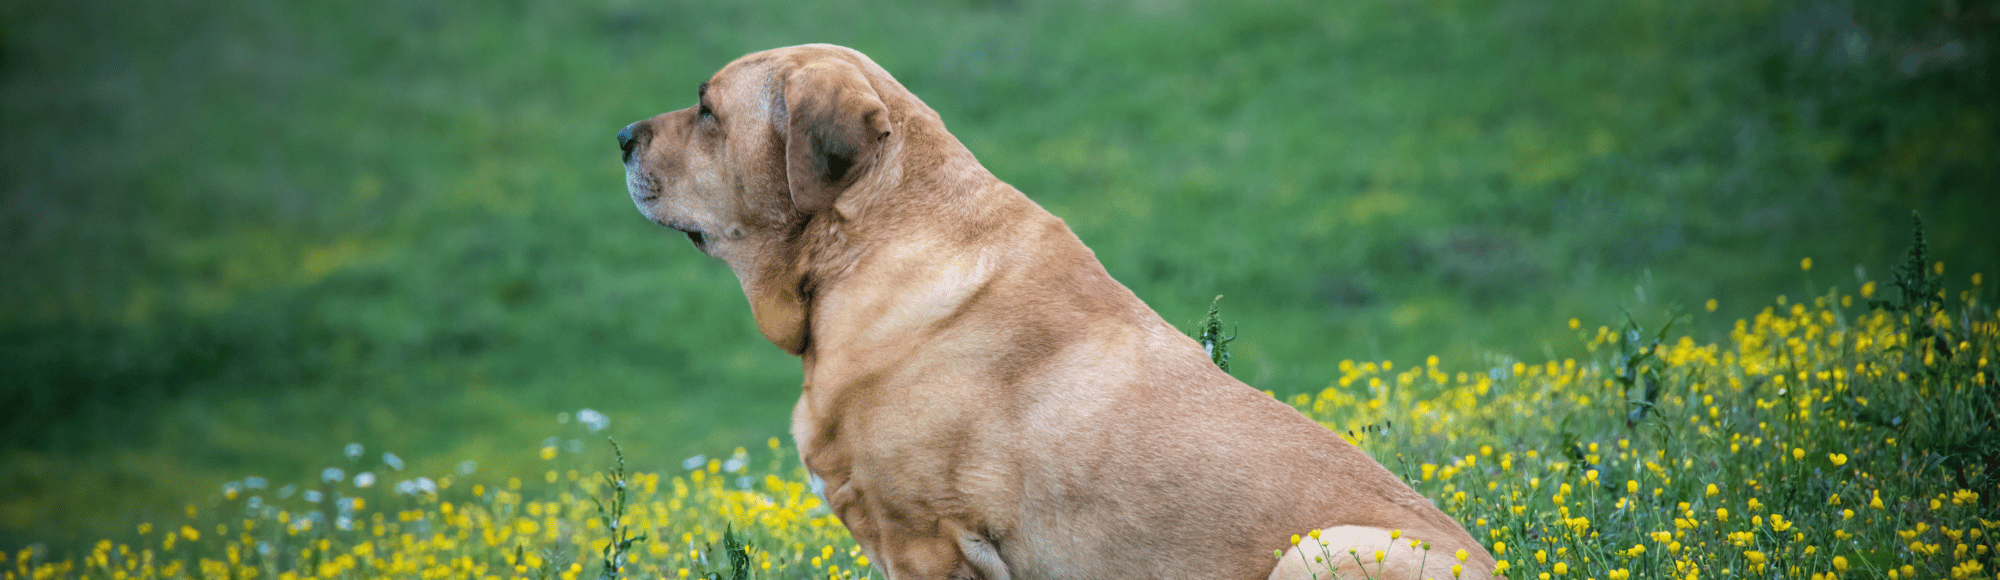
739,556
1809,443
621,539
1209,333
1939,347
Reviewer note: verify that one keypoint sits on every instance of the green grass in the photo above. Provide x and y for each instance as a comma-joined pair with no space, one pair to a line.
238,236
1849,434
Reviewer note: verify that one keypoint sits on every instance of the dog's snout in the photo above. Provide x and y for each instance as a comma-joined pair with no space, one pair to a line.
629,137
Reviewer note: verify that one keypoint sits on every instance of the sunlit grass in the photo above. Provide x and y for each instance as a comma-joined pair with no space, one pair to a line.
1842,434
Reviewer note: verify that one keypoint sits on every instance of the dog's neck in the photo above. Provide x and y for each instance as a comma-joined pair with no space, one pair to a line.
922,196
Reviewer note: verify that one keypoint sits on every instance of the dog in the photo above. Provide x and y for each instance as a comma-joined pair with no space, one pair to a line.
980,398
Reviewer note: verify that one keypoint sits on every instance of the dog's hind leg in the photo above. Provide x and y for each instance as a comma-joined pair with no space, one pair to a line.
1357,552
980,552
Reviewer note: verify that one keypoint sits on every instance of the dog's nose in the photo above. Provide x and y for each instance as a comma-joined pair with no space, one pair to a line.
628,136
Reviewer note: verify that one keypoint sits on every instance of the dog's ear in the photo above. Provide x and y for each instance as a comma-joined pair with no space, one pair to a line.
834,127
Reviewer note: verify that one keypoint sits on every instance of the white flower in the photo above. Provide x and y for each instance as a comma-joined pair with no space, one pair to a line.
592,420
393,461
467,467
353,451
364,479
332,474
415,486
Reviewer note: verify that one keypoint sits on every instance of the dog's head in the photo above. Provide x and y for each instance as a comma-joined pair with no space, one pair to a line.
774,138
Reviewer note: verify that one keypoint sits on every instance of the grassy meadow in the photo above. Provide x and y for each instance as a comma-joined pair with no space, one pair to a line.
1827,437
249,243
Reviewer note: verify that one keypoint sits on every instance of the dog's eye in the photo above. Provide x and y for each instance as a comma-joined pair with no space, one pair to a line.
701,100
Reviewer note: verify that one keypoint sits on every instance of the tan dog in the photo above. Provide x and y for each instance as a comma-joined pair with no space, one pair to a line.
981,399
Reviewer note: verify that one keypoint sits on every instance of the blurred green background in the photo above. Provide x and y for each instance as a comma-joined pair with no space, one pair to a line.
238,236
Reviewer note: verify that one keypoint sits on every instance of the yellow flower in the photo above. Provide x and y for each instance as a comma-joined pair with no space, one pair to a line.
1561,568
1461,555
1837,459
1798,453
1754,556
1378,555
1875,500
548,452
1840,563
1778,523
1541,556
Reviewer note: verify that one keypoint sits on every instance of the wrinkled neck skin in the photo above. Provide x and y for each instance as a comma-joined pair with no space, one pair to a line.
889,256
889,261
